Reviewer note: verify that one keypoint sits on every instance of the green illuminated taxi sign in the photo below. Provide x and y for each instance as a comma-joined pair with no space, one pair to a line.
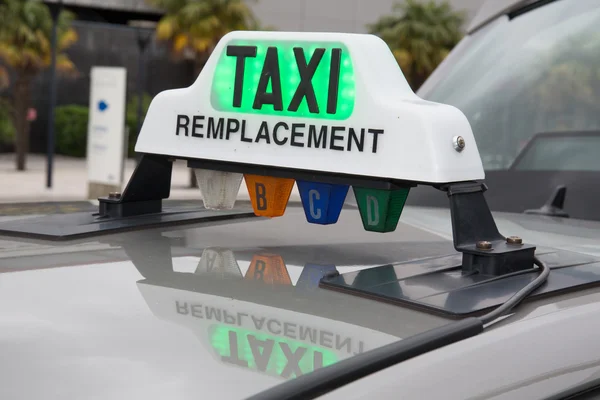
285,78
266,353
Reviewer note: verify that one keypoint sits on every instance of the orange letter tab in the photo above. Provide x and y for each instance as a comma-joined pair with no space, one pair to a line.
269,196
268,268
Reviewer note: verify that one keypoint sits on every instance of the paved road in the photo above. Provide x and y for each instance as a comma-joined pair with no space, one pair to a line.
70,182
66,207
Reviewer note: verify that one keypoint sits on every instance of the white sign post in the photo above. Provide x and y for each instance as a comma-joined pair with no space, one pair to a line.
106,130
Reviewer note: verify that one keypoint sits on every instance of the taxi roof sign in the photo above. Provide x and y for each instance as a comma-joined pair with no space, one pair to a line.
325,110
326,102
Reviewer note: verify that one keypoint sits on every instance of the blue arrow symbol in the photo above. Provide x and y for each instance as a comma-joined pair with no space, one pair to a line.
102,105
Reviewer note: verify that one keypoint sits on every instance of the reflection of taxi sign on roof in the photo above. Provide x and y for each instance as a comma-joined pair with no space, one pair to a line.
218,262
272,354
311,275
254,334
324,110
268,268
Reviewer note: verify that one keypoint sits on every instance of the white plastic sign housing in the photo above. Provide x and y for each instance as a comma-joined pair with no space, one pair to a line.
312,101
106,132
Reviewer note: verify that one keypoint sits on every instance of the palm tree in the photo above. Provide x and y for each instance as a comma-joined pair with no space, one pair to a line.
3,77
566,83
194,27
25,47
420,36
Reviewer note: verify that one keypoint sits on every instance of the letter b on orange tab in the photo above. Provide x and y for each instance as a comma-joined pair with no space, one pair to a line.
269,196
268,268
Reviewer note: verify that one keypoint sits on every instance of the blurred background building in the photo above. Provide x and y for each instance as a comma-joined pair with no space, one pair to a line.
108,37
335,15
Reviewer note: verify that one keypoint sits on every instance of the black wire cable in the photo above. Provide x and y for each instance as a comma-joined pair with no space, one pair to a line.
325,380
520,295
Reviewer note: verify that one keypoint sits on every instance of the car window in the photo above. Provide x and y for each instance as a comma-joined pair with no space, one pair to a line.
537,72
560,153
588,395
588,390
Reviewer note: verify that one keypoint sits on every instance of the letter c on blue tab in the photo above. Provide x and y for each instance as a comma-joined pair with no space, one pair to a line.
312,274
322,202
313,197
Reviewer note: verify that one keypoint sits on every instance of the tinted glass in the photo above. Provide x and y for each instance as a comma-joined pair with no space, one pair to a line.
575,153
537,72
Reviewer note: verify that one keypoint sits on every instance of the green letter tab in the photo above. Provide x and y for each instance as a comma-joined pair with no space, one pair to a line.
380,209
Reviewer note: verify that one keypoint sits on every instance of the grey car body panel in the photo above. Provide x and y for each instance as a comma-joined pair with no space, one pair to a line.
535,358
492,9
133,316
580,236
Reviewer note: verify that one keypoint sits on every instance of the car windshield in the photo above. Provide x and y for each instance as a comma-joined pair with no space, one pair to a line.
526,74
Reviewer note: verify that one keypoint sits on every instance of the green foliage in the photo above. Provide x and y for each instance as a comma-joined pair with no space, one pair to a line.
25,48
25,31
420,35
196,26
71,125
570,73
566,83
7,129
3,77
131,119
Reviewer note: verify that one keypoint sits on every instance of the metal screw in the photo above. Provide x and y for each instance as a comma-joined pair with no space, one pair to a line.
459,143
514,240
114,195
484,245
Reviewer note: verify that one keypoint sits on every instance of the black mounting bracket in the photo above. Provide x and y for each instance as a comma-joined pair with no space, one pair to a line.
484,250
147,187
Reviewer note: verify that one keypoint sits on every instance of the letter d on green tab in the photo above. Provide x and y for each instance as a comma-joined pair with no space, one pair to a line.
380,209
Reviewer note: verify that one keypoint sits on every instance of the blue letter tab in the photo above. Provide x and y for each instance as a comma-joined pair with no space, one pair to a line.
322,202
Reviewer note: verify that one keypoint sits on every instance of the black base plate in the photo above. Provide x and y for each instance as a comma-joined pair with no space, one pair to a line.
87,224
439,286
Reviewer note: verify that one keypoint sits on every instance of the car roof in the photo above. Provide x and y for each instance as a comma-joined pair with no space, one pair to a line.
142,305
144,301
536,358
